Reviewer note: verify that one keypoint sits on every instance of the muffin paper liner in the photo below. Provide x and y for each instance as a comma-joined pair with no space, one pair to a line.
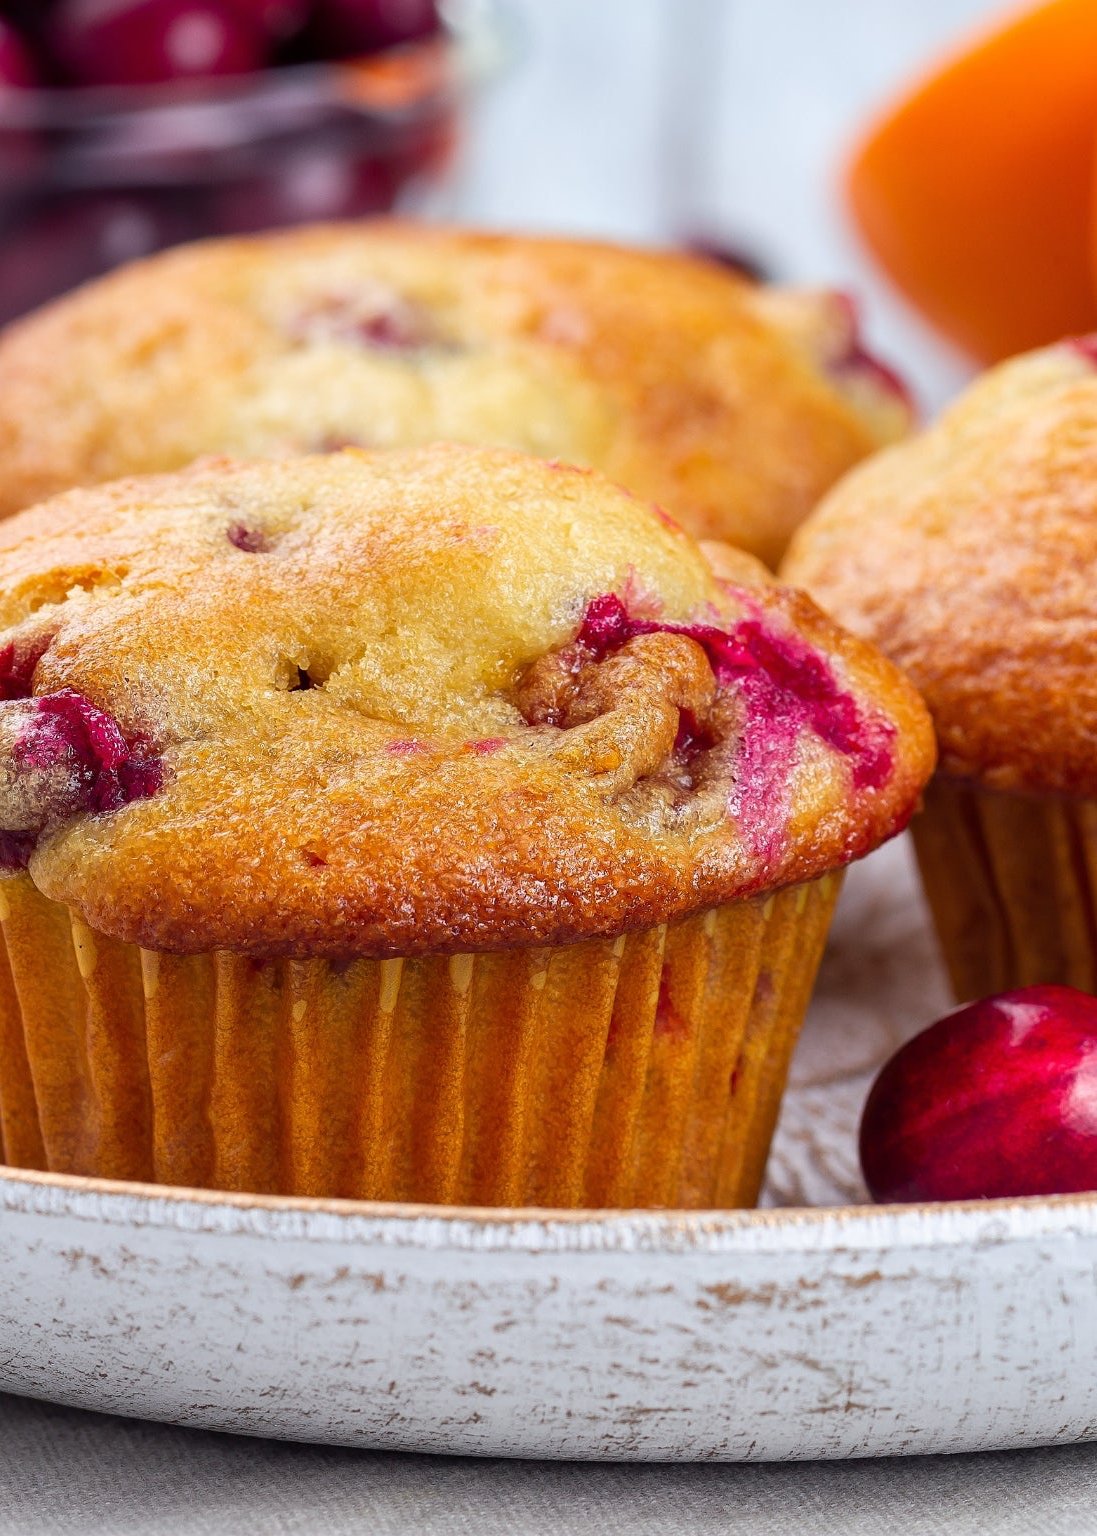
641,1071
1012,884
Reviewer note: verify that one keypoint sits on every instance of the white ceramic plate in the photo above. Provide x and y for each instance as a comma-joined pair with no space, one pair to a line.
769,1334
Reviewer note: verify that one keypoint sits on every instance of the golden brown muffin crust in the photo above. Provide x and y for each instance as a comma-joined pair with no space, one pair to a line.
428,700
968,555
734,406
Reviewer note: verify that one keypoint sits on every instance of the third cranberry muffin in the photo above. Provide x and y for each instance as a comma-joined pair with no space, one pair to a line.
969,556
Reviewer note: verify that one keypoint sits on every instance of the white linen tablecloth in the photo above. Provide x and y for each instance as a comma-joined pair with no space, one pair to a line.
65,1471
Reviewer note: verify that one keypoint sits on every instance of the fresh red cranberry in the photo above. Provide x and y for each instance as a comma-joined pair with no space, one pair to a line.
304,188
149,42
17,71
998,1098
341,28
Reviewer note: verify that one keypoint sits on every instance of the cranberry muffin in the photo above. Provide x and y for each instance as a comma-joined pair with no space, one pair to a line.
429,825
734,406
968,556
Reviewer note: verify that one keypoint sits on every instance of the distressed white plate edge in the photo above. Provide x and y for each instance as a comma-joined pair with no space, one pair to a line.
633,1335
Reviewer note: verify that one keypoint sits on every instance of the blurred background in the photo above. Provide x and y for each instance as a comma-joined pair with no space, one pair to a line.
723,121
126,125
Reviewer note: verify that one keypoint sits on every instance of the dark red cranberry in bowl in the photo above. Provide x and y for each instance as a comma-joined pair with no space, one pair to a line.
279,19
151,42
19,149
342,28
996,1099
17,70
76,237
305,187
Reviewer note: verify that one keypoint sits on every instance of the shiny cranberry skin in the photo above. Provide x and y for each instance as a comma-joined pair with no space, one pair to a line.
996,1099
17,71
150,42
341,28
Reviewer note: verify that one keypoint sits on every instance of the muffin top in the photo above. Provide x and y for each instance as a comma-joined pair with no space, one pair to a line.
438,699
735,406
968,555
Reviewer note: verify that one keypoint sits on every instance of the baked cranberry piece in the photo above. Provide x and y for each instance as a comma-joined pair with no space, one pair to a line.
998,1098
737,259
784,688
17,664
783,681
61,756
376,318
341,28
250,541
150,42
848,357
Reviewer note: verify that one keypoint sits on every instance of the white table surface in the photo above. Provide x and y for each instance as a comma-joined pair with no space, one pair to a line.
577,138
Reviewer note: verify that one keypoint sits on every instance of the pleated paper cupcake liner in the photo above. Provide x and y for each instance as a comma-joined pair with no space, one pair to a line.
1012,884
642,1071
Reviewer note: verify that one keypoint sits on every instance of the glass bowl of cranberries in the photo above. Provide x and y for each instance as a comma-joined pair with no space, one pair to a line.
130,125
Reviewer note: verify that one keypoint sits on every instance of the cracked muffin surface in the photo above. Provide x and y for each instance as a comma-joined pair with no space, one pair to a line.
438,699
734,405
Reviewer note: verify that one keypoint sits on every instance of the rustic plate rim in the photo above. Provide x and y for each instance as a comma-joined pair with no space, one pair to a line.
788,1229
